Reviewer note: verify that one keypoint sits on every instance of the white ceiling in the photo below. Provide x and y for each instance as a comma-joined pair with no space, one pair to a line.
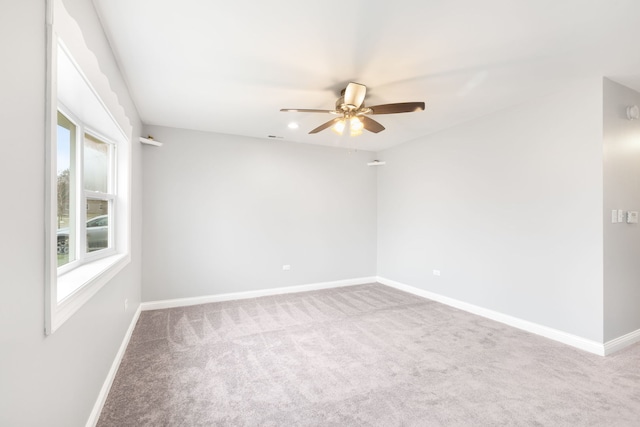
230,66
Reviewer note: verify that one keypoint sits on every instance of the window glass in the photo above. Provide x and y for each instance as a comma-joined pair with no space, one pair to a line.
96,164
97,225
65,143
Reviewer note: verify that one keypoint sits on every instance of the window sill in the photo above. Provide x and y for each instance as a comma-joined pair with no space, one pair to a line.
77,286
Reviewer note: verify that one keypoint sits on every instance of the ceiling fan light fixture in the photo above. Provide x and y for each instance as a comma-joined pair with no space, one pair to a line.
356,125
353,126
338,127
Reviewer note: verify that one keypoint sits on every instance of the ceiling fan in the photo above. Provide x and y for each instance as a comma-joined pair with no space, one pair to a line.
353,113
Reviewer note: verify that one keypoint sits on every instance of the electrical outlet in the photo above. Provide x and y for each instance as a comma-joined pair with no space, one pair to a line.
286,267
436,272
126,304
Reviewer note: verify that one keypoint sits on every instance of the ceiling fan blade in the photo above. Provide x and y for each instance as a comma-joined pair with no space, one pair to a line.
371,125
305,110
326,125
354,94
401,107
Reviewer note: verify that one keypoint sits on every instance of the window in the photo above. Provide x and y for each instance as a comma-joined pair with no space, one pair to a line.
82,216
65,194
88,191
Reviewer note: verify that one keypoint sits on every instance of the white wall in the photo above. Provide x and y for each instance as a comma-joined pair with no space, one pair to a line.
621,191
55,380
225,213
508,207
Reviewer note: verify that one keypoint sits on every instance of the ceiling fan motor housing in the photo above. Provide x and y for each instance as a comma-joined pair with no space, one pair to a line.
347,109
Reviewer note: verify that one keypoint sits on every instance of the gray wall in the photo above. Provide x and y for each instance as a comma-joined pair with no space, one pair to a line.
508,207
225,213
55,380
621,191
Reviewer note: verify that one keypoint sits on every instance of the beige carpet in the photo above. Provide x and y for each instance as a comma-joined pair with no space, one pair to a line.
360,356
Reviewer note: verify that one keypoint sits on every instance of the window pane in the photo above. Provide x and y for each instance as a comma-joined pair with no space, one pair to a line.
65,143
97,225
96,164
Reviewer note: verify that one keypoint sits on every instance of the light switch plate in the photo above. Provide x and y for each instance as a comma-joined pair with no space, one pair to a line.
614,216
632,217
620,215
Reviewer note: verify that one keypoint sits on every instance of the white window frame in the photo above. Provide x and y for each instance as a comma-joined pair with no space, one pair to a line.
94,269
82,256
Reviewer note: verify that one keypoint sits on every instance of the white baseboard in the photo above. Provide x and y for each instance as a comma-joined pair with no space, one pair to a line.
621,342
554,334
106,386
182,302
